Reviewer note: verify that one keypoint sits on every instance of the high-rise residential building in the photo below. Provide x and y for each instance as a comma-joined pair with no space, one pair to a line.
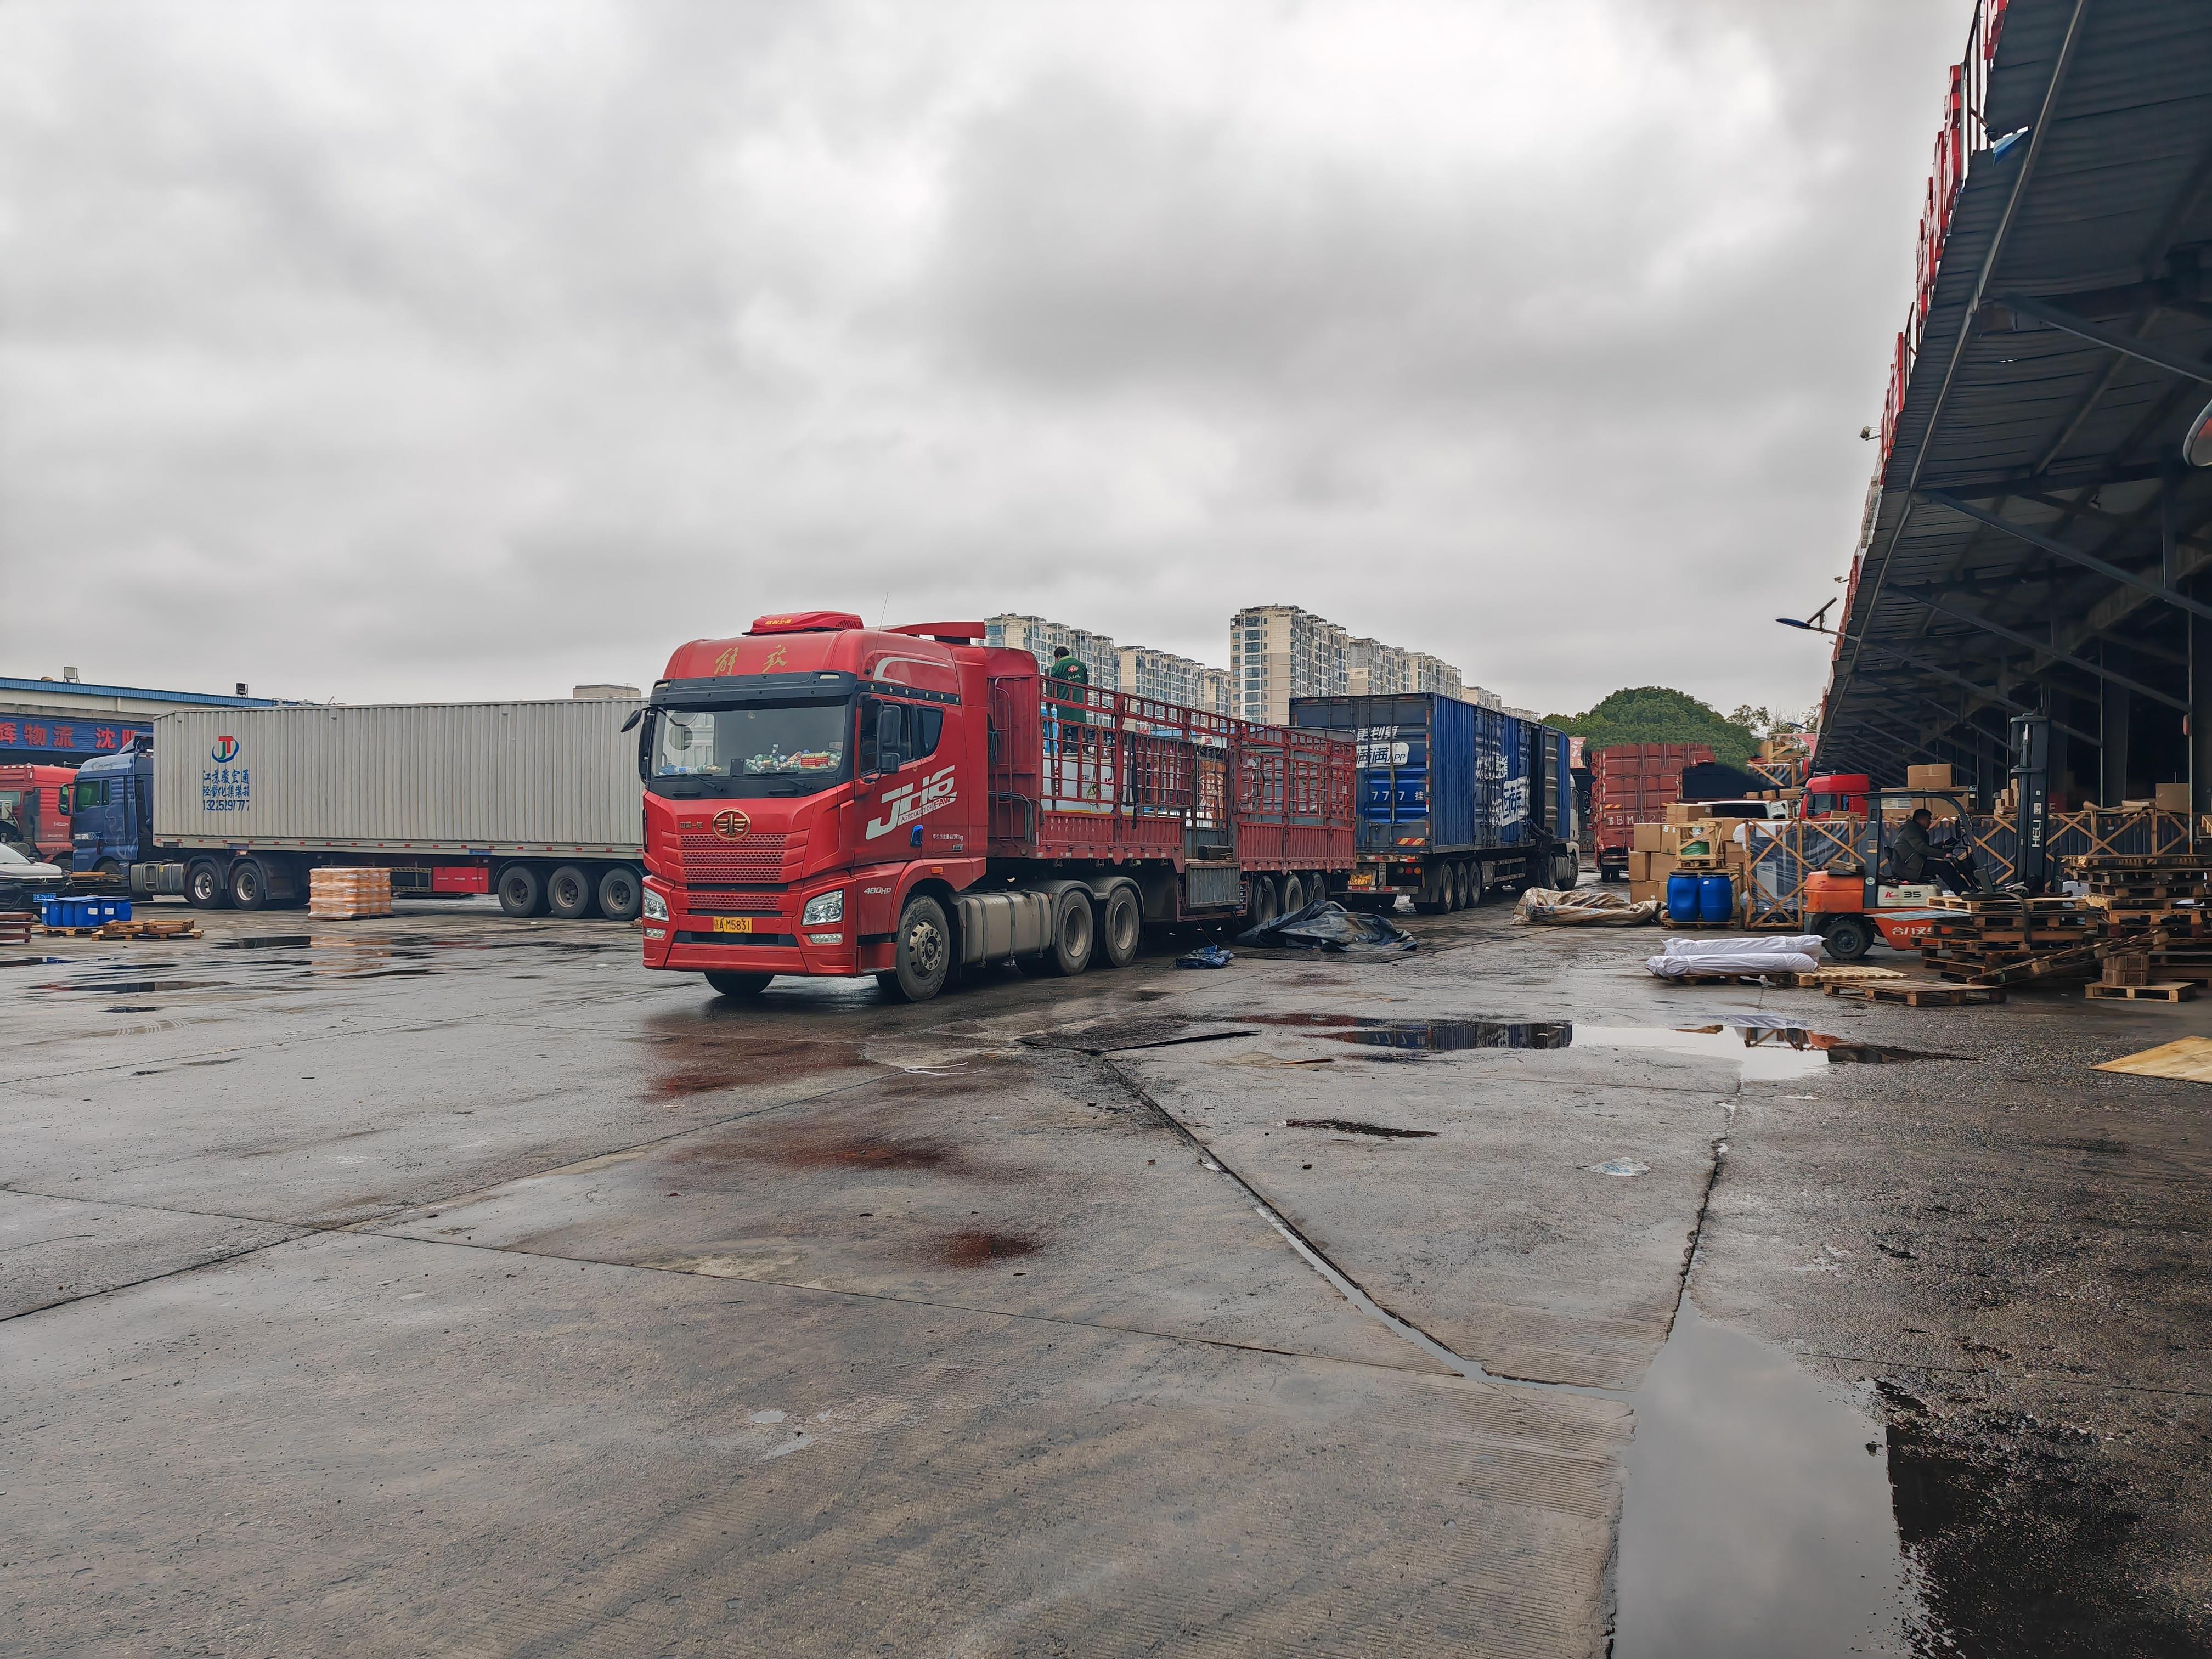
1168,678
1034,635
1213,690
1277,652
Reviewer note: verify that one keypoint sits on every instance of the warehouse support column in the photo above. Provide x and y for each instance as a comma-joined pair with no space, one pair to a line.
2115,708
2200,714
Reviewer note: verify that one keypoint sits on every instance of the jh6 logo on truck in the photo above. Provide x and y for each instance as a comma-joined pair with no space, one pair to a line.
908,802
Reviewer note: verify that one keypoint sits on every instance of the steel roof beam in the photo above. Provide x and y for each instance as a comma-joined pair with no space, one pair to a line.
1997,697
2045,648
2097,334
2050,545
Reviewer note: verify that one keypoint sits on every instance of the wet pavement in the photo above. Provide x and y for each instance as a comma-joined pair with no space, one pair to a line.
450,1284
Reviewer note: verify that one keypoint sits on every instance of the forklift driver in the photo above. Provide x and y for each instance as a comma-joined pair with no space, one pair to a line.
1913,858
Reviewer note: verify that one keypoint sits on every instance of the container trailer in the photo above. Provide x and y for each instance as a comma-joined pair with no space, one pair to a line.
536,802
1455,799
823,798
1634,783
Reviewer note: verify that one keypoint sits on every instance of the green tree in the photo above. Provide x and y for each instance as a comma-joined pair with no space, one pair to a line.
1658,713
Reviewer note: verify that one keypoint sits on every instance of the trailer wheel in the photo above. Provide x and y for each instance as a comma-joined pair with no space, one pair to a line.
1849,937
924,953
747,986
569,892
1566,870
622,895
522,891
1262,909
1072,935
1473,884
204,889
1294,894
1121,926
1436,890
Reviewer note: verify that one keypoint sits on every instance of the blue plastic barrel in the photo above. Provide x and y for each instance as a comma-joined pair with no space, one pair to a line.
1682,898
1716,898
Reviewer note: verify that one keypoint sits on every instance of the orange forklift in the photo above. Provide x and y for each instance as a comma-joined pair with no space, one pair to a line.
1850,906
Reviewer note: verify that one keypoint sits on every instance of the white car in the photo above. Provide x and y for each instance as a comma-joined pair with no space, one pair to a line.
21,877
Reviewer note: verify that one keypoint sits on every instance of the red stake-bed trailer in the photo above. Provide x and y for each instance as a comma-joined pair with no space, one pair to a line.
827,798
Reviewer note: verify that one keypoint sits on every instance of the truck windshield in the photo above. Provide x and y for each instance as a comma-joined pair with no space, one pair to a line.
750,748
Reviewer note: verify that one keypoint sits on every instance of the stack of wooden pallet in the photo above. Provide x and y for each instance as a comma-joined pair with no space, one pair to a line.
348,895
1979,937
15,927
2170,894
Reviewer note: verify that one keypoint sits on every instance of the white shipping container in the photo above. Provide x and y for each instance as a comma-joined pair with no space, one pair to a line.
452,777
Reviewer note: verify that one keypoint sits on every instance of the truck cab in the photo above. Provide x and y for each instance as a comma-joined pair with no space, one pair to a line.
34,810
801,781
112,811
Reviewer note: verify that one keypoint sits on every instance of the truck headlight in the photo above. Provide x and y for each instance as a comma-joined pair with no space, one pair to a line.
656,908
823,909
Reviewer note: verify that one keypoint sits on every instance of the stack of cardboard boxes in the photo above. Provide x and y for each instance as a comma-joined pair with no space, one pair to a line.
1655,850
348,895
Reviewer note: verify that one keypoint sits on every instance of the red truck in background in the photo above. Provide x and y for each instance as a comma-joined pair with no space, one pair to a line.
1632,783
34,809
827,798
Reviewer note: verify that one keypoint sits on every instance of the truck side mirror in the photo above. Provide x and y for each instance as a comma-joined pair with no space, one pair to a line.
890,734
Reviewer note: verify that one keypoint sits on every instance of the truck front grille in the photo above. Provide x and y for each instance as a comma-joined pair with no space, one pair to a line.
708,858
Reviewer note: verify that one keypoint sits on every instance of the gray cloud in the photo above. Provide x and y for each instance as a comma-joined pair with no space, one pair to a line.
374,353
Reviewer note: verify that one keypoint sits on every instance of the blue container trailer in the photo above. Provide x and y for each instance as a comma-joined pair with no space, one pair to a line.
1455,799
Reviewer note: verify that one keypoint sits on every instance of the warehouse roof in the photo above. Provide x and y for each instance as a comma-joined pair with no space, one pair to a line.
2033,512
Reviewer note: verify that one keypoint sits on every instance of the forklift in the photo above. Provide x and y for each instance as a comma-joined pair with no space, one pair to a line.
1851,905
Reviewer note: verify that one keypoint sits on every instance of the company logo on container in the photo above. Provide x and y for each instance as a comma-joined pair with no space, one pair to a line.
226,749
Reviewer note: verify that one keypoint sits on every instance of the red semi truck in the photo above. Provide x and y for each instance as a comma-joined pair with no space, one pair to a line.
824,798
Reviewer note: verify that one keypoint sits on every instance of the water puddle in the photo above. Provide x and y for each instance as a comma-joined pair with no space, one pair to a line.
1757,1517
1770,1048
136,987
32,962
269,942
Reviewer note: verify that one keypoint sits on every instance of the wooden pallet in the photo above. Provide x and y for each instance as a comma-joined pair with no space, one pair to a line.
2174,991
2003,904
186,928
1920,996
2095,861
15,926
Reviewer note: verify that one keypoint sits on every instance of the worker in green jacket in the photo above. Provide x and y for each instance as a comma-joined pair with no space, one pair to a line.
1067,690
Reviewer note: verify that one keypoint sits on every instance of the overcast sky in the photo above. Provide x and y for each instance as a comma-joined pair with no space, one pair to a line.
392,352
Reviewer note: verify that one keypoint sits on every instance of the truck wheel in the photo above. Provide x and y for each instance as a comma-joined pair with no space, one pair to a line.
204,888
1849,937
1121,927
622,895
522,891
1477,891
1566,870
1072,935
738,985
569,892
924,950
1294,893
249,885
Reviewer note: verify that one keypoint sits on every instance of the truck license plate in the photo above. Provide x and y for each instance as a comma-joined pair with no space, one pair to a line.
733,924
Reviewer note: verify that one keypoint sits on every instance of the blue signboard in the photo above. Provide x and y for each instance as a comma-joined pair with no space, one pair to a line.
66,738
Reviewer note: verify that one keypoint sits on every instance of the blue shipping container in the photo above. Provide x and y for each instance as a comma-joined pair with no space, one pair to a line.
1440,776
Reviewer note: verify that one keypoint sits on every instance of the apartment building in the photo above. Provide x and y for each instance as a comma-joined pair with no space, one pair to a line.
1277,652
1168,678
1095,652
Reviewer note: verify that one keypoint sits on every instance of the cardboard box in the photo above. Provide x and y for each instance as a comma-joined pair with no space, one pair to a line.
2172,797
1648,838
1639,867
1681,812
1642,891
1928,777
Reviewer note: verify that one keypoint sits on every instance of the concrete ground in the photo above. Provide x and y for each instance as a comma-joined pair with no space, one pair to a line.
450,1284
